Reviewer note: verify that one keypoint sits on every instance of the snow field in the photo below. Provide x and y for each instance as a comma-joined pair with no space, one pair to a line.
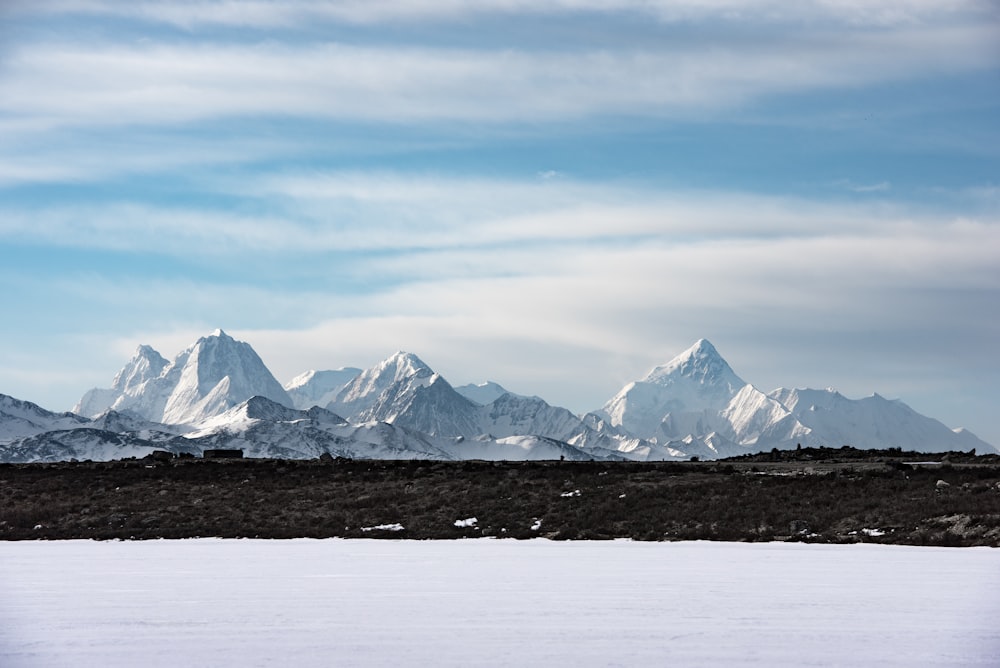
212,602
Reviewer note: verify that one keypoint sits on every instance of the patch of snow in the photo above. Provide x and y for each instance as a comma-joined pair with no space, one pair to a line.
468,522
396,526
575,492
375,603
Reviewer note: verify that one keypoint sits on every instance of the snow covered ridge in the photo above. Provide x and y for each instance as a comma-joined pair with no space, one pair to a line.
218,393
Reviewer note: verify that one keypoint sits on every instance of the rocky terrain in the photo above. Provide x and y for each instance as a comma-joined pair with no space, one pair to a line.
812,494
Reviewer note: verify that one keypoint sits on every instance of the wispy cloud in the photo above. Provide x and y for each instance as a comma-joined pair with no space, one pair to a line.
100,84
626,270
847,184
393,212
881,186
190,14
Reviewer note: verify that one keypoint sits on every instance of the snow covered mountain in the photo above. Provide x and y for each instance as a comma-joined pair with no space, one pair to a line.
211,376
29,433
219,394
404,391
319,388
697,405
84,443
399,374
697,394
872,422
512,415
21,419
262,428
483,393
146,364
684,396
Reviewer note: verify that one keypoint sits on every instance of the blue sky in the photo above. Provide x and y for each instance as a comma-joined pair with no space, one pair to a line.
556,196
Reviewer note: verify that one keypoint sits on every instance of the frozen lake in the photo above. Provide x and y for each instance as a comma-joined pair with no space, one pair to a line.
211,602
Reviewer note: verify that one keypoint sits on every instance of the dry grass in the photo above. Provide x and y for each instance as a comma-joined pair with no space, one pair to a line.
824,500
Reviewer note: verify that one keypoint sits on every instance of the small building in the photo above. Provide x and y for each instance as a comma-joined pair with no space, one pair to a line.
221,453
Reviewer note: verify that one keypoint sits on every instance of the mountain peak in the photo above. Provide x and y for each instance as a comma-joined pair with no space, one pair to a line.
703,346
402,364
403,356
701,363
209,377
360,394
482,393
685,395
146,363
143,350
149,354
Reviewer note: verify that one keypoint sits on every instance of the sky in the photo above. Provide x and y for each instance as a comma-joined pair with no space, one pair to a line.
555,196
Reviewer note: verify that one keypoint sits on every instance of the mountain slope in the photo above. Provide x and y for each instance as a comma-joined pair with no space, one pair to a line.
404,391
872,422
755,419
21,419
398,374
82,443
319,388
145,365
684,396
213,375
262,428
483,393
29,433
697,405
209,377
513,415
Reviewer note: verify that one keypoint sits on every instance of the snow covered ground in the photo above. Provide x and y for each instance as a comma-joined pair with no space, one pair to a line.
211,602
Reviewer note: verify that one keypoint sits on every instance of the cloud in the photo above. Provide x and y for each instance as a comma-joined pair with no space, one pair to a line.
191,15
399,220
622,281
47,156
73,84
881,186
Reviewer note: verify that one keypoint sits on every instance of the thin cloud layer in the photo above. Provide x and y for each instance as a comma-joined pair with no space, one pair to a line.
190,14
68,84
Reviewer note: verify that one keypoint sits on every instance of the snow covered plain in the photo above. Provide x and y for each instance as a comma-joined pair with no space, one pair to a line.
211,602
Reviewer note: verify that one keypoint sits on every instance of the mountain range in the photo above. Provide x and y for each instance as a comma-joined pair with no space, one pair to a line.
218,393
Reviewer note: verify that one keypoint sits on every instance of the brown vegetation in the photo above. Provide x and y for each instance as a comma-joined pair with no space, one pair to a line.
872,498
